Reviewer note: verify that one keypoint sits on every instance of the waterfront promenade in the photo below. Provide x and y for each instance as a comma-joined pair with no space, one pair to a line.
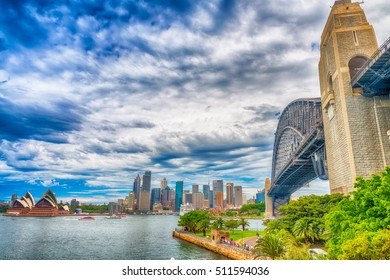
231,252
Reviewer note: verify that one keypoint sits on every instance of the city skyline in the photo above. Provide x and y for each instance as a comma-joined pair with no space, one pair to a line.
92,94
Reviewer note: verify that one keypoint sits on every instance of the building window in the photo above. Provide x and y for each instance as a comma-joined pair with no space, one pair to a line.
355,38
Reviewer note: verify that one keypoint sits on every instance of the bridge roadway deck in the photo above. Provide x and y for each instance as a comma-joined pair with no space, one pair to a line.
374,75
299,170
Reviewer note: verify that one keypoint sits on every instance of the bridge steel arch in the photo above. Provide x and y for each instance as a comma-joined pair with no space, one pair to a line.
299,150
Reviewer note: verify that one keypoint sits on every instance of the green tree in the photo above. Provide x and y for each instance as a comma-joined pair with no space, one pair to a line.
271,245
232,224
243,223
360,219
312,208
4,207
203,225
305,229
193,219
367,246
256,208
218,224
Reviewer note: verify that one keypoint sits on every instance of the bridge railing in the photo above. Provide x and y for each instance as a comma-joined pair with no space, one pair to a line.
385,46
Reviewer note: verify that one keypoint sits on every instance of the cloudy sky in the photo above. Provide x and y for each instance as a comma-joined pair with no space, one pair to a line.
94,92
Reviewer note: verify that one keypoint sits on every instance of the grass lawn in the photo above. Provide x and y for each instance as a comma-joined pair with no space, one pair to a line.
238,234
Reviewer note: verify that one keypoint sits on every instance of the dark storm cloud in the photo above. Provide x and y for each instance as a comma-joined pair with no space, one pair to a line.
263,112
19,26
207,148
224,16
37,122
141,124
119,147
279,13
30,23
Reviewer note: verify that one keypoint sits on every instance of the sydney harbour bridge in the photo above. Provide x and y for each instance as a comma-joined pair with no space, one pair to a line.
332,137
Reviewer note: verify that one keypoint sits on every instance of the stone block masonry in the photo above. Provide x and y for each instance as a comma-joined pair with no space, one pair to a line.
231,253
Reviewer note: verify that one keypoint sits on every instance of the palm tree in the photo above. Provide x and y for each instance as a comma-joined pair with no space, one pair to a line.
243,223
271,245
304,228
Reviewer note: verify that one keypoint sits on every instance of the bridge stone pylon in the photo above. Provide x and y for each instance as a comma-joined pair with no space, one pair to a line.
355,123
346,132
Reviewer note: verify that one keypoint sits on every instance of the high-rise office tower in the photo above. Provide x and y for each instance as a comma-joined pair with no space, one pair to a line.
217,187
164,183
165,197
260,196
229,194
144,203
218,200
172,198
238,196
206,192
197,200
155,197
131,201
137,189
178,195
14,197
146,181
185,192
195,188
211,198
188,198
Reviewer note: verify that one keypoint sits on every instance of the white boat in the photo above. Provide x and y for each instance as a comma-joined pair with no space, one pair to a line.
185,209
114,217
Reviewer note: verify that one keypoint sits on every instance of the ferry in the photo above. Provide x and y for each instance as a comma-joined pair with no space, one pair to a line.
114,217
87,218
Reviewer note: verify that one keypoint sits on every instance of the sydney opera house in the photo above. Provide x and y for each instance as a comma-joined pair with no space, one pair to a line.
47,206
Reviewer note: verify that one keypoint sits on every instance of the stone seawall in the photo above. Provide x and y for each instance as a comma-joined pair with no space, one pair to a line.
229,252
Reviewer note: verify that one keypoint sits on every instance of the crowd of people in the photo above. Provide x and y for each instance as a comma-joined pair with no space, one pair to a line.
234,244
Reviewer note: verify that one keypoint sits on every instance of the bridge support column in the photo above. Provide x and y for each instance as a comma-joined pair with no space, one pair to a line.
269,203
279,201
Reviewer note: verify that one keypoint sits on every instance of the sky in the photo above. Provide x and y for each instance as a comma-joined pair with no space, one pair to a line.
94,92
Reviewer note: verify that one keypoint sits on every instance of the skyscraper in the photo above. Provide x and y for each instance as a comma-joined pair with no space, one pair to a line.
172,198
155,197
188,198
131,201
137,189
211,198
260,196
146,181
185,192
14,197
218,200
164,183
217,187
238,196
195,189
144,203
206,192
229,194
178,195
197,200
165,197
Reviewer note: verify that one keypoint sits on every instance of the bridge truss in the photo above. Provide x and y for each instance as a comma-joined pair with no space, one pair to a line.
299,149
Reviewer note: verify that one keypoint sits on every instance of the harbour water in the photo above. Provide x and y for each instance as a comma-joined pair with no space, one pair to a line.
130,238
67,238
